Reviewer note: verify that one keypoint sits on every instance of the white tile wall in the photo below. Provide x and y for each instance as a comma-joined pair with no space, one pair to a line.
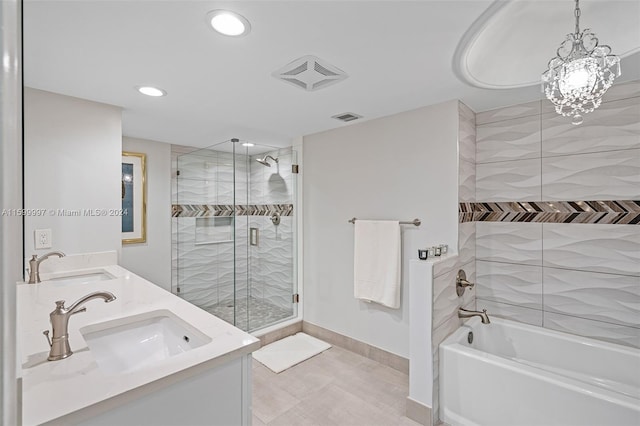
445,264
517,139
467,242
613,249
626,90
515,284
508,113
511,312
517,180
466,134
577,278
445,299
190,191
592,295
611,175
509,242
613,126
467,181
614,333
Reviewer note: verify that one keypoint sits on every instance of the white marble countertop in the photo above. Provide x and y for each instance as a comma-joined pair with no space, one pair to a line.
53,389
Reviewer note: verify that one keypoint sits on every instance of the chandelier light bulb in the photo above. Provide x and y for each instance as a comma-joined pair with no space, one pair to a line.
580,73
578,77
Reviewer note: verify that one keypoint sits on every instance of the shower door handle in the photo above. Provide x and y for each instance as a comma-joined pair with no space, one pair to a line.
254,236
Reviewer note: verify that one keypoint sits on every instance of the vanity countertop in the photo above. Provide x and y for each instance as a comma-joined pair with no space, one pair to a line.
53,389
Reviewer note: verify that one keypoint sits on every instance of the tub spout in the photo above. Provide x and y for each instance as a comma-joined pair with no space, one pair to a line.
464,313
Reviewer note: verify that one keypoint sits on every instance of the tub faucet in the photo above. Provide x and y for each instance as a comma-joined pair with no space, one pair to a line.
34,265
59,344
464,313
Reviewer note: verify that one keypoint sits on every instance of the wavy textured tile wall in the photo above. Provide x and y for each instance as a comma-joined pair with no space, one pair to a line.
613,126
517,180
613,249
569,265
610,175
509,242
508,113
608,332
591,295
466,181
512,312
516,139
514,284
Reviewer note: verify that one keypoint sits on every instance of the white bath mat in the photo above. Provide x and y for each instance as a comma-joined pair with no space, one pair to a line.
292,350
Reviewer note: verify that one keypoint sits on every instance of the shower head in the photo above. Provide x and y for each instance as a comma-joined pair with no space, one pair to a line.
264,161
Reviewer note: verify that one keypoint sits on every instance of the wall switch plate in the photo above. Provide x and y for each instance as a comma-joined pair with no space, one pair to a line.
42,238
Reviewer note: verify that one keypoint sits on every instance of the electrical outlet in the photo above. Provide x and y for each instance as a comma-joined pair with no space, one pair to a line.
42,238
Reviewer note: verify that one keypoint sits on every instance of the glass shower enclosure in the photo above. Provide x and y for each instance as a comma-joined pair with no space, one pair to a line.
234,232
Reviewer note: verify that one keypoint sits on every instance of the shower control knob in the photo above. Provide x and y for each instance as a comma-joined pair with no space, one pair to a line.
462,283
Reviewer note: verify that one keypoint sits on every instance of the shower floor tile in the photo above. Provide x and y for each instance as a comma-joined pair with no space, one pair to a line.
251,313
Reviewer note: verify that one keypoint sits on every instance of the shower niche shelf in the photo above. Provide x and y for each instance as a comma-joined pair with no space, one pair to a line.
214,230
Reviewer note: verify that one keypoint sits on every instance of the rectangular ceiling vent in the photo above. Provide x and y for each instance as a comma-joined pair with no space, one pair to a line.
310,73
347,116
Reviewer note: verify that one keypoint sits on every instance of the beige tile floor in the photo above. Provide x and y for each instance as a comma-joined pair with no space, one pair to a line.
336,387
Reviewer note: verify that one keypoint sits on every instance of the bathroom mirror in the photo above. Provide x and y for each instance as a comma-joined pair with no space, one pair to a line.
127,149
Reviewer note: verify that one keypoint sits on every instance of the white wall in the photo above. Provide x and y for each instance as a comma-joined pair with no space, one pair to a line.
152,260
72,161
398,167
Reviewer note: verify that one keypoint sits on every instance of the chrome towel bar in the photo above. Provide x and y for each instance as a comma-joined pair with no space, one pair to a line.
416,222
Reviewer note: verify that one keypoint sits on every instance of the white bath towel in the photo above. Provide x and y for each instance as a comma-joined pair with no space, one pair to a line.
377,262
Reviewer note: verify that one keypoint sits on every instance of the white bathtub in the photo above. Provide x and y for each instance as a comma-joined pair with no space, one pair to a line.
515,375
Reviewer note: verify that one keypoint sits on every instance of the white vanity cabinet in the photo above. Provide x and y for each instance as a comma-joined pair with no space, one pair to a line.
217,397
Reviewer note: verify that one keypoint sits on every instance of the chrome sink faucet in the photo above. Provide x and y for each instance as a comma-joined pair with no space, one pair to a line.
34,265
59,344
464,313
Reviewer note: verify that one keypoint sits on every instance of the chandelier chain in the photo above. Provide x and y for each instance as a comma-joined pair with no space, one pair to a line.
577,15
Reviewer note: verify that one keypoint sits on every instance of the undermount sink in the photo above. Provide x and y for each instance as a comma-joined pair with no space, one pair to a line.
135,342
83,277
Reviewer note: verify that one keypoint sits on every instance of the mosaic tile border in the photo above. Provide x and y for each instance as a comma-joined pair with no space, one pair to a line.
213,210
620,212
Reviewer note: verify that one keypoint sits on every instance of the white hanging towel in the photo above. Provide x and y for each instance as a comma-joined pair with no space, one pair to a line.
377,262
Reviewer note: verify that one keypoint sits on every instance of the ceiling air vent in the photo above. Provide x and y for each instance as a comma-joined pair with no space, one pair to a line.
347,116
310,73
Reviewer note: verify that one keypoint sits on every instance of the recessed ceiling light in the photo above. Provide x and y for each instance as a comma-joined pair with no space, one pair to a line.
247,144
151,91
228,23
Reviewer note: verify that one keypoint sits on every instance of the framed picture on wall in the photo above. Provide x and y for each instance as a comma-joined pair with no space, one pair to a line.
134,198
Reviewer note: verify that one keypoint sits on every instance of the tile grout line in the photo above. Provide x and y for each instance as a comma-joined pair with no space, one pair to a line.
560,155
560,313
586,271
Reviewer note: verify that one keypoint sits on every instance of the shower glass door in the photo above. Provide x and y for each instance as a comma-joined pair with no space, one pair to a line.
234,244
272,249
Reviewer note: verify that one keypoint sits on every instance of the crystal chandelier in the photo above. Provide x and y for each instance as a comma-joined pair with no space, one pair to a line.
580,73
